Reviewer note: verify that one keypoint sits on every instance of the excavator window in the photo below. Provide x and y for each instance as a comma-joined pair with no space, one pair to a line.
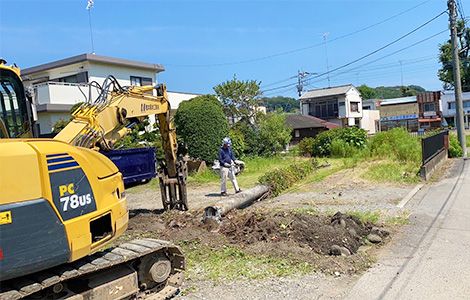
13,111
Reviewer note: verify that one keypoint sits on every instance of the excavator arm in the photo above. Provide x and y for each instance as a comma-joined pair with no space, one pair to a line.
99,125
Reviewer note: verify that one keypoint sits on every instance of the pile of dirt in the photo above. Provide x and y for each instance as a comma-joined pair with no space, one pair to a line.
329,242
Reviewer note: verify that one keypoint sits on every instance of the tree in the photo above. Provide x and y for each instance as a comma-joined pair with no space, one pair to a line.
446,74
239,98
274,133
367,92
286,104
202,125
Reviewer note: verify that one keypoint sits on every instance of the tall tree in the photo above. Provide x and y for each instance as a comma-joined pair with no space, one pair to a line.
446,74
367,92
239,98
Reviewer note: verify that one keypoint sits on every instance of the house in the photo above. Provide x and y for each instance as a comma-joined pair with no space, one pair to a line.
429,110
341,105
58,85
399,112
306,127
449,109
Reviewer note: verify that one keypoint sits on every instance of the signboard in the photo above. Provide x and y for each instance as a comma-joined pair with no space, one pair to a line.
398,118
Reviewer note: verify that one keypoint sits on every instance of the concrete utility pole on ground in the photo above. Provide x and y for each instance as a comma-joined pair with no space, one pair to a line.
457,83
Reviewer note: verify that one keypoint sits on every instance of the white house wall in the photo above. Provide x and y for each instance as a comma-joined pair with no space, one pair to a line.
99,72
353,96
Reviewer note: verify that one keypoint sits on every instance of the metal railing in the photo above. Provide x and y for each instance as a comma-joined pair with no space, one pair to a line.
433,145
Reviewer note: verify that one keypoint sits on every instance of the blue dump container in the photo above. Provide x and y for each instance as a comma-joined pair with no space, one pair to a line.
135,164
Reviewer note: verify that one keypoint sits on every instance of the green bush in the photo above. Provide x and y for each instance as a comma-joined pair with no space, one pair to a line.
396,144
306,146
455,150
250,137
238,143
281,179
274,133
339,142
202,125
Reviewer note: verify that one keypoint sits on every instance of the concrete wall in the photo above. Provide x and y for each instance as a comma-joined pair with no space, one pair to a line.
369,119
430,167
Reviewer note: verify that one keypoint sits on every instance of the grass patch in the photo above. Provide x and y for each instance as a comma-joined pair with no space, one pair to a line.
366,216
389,171
205,176
403,219
232,263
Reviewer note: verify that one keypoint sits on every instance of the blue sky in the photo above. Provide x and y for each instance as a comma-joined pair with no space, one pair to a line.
204,43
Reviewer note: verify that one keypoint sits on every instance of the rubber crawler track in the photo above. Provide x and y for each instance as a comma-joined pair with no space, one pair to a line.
23,287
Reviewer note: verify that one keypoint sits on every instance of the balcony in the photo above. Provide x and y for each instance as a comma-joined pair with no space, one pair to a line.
61,93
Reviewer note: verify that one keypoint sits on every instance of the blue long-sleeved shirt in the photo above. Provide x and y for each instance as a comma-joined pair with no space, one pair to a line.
226,156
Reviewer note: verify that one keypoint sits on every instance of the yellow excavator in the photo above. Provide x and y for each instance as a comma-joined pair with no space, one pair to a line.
62,202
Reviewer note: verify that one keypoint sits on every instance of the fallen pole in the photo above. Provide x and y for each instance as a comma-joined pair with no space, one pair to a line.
222,207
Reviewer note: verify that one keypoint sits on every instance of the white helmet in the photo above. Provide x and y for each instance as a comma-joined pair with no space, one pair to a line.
227,141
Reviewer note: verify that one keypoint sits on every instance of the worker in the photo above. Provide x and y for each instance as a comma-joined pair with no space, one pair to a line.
227,160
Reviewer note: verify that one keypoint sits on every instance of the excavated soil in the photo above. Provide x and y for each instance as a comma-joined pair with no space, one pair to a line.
330,243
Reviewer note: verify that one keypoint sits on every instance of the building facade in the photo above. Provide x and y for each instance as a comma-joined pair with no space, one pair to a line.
59,85
341,105
399,112
449,109
429,110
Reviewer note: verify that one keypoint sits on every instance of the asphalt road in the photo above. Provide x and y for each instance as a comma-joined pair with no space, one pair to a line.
431,258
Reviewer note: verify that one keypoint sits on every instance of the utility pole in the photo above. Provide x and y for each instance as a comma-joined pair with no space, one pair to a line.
300,87
457,83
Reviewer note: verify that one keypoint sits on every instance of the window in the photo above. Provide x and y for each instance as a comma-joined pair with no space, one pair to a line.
297,133
324,110
451,105
429,107
77,78
140,81
355,106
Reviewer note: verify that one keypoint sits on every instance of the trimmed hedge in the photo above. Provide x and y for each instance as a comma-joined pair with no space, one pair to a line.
281,179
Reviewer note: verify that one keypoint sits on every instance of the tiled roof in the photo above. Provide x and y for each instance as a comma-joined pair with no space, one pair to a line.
304,121
326,92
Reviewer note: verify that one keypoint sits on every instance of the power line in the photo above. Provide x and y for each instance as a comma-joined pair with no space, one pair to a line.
373,52
304,48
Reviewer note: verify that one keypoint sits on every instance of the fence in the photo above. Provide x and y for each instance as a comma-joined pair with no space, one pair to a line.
433,145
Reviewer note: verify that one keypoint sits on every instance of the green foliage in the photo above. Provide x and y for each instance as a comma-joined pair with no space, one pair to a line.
288,105
338,142
367,92
455,150
202,125
274,133
238,143
250,137
396,144
281,179
446,74
239,98
398,91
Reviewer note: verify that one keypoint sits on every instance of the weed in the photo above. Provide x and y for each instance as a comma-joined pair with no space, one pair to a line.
366,216
399,220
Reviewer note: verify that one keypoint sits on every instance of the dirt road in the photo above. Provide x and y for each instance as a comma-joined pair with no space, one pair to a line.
343,191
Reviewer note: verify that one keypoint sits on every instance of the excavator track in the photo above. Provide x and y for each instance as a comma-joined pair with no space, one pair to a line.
123,272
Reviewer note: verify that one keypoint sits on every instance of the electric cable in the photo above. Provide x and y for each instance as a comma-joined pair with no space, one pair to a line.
301,49
370,53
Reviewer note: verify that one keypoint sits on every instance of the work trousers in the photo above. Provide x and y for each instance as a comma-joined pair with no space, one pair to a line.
224,172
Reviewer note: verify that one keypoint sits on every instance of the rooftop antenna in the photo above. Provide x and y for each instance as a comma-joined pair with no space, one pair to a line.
325,35
88,7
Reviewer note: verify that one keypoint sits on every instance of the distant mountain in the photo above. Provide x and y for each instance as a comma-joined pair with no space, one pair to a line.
388,92
288,105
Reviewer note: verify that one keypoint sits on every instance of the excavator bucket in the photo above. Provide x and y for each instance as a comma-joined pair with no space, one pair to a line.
173,190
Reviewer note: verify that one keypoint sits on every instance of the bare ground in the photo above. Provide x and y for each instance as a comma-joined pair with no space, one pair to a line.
280,227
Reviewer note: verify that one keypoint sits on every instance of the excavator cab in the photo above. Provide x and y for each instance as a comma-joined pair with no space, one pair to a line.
15,110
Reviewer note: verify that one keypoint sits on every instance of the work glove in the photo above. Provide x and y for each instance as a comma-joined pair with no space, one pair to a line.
227,165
